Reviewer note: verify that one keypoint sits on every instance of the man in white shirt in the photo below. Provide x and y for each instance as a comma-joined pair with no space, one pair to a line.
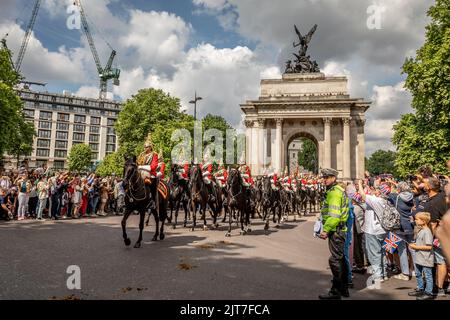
374,234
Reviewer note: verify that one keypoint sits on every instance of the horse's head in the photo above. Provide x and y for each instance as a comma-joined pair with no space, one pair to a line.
129,170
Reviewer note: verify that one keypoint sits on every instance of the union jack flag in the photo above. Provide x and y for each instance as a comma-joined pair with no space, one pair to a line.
391,242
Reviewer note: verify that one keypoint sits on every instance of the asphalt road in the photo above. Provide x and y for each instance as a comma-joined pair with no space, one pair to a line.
284,265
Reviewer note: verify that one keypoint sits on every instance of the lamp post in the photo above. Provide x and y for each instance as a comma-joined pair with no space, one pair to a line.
195,104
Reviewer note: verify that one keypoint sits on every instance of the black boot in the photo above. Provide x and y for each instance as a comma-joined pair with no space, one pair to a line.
331,295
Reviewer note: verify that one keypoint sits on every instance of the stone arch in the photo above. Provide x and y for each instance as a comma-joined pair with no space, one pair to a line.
295,134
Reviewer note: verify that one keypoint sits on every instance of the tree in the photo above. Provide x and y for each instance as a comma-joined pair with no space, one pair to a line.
112,164
16,135
140,116
79,157
382,161
307,156
422,137
217,122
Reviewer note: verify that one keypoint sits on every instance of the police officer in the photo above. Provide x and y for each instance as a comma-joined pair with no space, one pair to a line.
334,217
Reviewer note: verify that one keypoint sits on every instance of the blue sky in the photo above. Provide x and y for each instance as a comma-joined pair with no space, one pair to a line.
223,48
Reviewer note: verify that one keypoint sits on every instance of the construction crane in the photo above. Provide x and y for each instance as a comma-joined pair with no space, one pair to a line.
27,36
106,73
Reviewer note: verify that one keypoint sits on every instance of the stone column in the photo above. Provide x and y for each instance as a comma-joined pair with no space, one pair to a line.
260,155
346,156
248,142
327,143
360,164
279,145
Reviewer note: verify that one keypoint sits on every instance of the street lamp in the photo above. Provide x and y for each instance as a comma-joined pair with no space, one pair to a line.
195,104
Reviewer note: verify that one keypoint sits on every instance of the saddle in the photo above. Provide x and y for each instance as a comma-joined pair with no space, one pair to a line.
163,190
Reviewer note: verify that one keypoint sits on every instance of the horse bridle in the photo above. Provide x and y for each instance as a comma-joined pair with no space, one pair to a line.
130,190
231,190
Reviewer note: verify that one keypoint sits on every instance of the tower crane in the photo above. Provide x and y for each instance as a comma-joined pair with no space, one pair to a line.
27,36
106,73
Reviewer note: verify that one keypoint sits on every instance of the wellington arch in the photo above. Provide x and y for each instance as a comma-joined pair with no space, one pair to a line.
311,105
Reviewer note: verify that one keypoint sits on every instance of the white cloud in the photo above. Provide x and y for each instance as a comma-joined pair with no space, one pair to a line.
211,4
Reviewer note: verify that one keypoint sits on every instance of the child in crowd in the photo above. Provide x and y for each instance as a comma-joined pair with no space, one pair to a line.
424,258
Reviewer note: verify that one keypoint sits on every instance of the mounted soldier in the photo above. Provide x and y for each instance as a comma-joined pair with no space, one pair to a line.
207,173
147,165
148,162
246,175
273,180
221,176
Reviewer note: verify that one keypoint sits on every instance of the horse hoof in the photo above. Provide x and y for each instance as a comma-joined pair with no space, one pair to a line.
146,224
249,230
137,245
277,226
216,225
162,236
174,226
155,238
243,233
228,235
127,241
205,228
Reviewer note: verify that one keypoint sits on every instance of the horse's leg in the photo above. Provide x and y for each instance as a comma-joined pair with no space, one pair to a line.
148,219
194,215
156,216
124,224
141,228
162,217
176,213
203,210
230,221
186,213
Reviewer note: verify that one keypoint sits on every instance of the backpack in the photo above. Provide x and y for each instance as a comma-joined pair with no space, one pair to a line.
390,217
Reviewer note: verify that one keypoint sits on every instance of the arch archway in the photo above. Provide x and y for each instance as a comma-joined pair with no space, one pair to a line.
302,152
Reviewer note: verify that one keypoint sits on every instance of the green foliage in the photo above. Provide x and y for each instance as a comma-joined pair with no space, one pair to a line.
423,137
112,164
16,135
307,156
382,161
217,122
79,157
140,116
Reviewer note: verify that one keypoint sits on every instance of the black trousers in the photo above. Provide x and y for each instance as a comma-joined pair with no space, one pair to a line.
338,266
32,206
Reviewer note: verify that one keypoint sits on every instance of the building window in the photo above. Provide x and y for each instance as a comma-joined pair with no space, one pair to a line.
95,129
93,138
93,146
62,135
42,152
78,136
62,126
45,115
60,144
110,147
79,127
111,130
43,143
44,134
60,153
111,139
28,113
63,117
94,156
111,122
95,121
40,163
45,125
80,119
58,164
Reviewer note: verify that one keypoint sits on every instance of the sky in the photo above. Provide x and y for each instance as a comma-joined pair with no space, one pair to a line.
223,48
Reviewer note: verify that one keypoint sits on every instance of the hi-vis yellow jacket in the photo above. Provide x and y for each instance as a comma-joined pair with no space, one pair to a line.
335,209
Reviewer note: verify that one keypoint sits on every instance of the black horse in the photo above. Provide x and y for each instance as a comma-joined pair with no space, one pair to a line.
200,198
179,195
271,203
140,197
237,202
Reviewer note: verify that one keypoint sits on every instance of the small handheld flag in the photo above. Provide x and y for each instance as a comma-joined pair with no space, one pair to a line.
391,242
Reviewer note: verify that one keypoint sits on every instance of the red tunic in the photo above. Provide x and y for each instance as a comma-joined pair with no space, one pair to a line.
185,174
161,169
208,168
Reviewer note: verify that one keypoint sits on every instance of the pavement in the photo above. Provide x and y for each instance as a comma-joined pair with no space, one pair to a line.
287,264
